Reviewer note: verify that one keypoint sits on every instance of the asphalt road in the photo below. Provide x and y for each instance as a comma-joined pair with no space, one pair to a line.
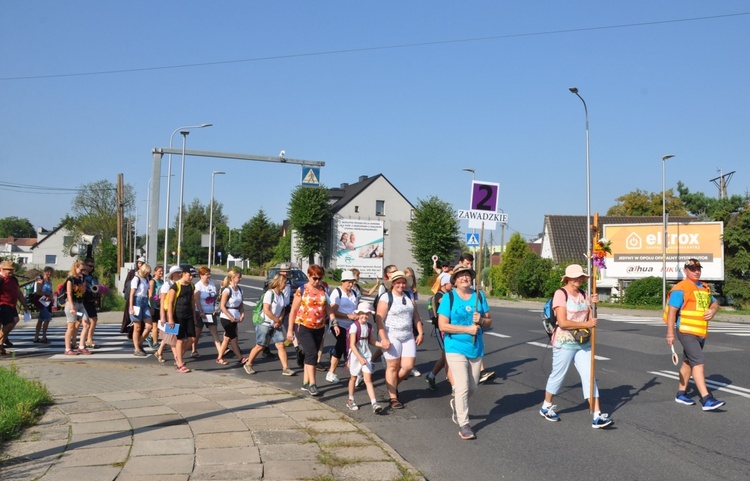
652,438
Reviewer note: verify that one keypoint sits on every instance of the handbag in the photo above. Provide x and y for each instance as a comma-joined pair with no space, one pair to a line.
581,336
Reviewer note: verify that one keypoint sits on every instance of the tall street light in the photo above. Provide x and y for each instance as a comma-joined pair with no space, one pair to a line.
473,177
169,183
211,219
664,230
588,194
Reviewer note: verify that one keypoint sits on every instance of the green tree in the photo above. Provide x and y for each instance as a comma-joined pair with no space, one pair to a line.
310,217
644,292
283,250
737,259
259,238
708,208
16,227
533,274
434,230
95,208
641,203
515,252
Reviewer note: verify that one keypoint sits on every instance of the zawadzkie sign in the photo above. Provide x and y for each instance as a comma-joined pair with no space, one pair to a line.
637,249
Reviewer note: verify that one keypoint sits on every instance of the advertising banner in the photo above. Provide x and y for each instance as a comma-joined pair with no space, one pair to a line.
637,250
359,245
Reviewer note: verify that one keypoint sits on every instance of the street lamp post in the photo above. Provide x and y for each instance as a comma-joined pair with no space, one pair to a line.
211,219
473,178
169,183
664,230
588,193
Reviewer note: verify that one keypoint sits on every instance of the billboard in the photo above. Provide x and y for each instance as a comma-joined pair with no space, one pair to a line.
359,245
637,249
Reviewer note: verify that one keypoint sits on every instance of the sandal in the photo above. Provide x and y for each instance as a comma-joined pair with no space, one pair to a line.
242,361
69,352
395,403
195,354
183,369
160,358
45,341
221,361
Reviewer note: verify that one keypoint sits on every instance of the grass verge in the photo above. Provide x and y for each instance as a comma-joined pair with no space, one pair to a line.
21,402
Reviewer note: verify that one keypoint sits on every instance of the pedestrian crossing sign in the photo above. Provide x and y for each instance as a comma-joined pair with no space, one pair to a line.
472,240
310,176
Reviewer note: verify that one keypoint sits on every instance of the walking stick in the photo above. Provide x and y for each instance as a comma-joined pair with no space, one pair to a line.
592,377
478,283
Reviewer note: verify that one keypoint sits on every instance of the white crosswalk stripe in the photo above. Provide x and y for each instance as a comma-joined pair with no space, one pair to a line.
716,385
112,344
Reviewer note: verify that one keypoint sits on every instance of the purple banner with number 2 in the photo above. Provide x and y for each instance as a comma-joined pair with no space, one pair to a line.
484,197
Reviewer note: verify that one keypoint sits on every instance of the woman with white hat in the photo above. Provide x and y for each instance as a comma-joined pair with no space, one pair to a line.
571,343
344,302
396,317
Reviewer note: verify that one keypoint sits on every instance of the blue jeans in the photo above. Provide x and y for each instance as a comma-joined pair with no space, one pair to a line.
561,360
265,335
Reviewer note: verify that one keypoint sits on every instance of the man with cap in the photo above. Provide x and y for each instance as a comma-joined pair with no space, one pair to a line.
10,295
690,307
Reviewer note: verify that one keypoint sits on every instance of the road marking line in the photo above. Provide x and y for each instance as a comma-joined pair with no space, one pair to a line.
495,334
718,386
95,356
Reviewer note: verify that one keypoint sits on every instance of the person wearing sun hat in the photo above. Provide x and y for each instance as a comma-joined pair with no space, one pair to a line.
10,295
170,340
344,301
396,318
573,313
690,307
462,317
360,335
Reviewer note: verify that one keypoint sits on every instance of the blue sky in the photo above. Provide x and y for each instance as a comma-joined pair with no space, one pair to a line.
480,85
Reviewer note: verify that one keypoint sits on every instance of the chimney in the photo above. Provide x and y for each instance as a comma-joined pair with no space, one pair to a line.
344,185
362,178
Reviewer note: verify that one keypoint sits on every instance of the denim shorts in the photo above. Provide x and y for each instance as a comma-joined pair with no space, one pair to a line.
265,335
145,309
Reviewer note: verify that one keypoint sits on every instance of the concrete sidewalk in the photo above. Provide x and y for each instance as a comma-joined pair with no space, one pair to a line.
133,422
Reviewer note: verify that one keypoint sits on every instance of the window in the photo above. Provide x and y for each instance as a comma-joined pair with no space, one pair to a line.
379,207
50,259
356,209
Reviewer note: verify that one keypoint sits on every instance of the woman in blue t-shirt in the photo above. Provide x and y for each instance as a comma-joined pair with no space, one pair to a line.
461,318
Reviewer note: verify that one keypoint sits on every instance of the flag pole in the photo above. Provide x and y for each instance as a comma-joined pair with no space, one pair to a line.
478,276
595,234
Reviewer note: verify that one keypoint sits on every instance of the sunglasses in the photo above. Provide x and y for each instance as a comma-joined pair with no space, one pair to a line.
316,278
694,268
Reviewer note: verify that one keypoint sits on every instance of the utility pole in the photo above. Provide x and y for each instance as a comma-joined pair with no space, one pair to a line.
120,252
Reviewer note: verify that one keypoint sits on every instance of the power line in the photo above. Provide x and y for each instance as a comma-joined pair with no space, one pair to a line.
38,189
381,47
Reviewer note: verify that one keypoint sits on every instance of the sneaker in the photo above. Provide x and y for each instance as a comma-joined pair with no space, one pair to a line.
313,390
69,352
359,381
485,376
83,351
150,342
332,378
466,433
320,367
138,353
300,357
710,403
549,414
352,405
431,383
683,399
267,354
415,372
377,408
248,368
602,421
454,418
287,372
7,343
305,387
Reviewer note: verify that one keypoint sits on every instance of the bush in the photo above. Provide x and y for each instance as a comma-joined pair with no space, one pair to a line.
644,292
21,401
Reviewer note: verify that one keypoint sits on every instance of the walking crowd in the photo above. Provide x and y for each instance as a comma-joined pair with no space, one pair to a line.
172,310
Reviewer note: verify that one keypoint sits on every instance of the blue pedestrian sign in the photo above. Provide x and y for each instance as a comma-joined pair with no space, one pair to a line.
310,176
472,240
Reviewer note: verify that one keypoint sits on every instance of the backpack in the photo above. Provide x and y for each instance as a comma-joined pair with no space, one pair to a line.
432,306
549,319
258,317
360,337
61,294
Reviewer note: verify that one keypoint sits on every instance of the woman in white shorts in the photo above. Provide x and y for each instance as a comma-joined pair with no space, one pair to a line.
396,318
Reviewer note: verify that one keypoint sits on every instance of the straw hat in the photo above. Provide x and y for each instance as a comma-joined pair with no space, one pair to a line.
8,265
364,306
395,276
347,276
462,269
573,271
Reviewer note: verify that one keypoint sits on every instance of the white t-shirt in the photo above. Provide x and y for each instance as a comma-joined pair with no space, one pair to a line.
140,285
364,344
399,321
233,303
207,296
276,303
347,304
